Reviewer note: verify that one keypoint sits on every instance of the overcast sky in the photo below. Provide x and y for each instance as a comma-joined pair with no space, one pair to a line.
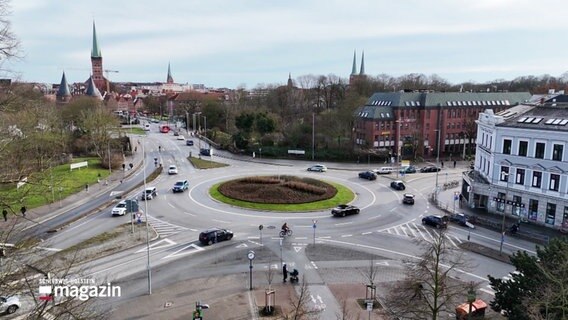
234,43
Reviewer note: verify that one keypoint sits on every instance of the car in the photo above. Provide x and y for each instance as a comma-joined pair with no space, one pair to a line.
438,222
205,152
189,142
430,169
176,133
367,175
180,186
149,193
462,220
213,235
343,210
408,169
9,305
398,185
318,168
383,170
408,198
172,169
180,137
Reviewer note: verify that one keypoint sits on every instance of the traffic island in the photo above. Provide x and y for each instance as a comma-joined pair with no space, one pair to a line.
485,251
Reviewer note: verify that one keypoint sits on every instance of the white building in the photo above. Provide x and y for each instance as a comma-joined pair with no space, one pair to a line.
521,163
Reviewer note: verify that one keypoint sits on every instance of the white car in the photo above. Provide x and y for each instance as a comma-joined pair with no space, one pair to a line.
180,137
9,304
318,168
172,170
119,209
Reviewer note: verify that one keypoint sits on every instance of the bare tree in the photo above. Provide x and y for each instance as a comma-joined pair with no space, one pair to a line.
429,289
300,304
9,43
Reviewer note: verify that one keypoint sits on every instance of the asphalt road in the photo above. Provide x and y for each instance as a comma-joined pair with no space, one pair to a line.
384,227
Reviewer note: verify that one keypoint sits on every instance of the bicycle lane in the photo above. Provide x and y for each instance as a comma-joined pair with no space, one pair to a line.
320,297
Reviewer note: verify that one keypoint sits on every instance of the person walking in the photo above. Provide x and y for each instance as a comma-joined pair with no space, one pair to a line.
284,272
454,164
5,214
442,163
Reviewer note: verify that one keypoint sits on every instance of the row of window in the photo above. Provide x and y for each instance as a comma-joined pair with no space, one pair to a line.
536,178
532,210
539,149
479,103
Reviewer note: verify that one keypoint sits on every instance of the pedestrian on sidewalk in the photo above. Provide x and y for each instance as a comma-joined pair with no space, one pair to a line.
5,214
442,162
23,210
87,187
284,272
454,164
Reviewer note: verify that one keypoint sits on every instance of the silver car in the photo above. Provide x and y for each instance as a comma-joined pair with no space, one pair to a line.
9,304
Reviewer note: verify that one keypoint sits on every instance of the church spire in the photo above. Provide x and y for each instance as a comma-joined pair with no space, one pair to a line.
95,51
354,68
63,94
92,90
362,64
170,78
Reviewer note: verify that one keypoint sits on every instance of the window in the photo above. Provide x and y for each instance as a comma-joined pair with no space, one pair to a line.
504,174
517,205
507,143
537,179
539,150
554,182
501,203
565,218
520,178
523,148
550,213
533,209
557,152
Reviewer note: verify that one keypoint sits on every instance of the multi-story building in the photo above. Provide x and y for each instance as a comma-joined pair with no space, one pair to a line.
427,123
521,163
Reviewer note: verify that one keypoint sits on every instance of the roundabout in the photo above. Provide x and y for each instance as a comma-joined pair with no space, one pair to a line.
283,193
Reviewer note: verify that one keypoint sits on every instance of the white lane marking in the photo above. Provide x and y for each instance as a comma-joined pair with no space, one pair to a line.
342,224
314,264
412,229
301,238
220,221
374,217
451,241
171,205
155,245
366,233
49,249
189,214
180,253
346,235
297,249
325,237
391,210
491,292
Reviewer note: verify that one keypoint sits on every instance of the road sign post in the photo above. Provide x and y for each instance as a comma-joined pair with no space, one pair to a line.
314,226
260,230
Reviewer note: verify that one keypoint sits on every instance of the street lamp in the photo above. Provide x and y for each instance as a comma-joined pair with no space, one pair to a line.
437,161
504,175
147,224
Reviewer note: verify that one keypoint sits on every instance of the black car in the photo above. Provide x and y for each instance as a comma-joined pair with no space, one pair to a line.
462,220
430,169
213,235
205,152
438,222
368,175
398,185
408,198
343,210
189,142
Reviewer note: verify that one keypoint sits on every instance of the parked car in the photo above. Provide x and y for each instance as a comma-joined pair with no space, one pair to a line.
408,198
172,169
408,169
318,168
180,186
149,193
368,175
189,142
213,235
9,305
398,185
438,222
430,169
384,170
343,210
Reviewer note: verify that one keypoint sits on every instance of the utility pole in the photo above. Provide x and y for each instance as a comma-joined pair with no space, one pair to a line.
313,135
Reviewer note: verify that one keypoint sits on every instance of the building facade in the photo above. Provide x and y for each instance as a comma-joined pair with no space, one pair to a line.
521,163
425,124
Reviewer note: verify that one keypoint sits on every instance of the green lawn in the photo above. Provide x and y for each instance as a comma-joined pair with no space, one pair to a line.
55,184
135,130
344,195
205,164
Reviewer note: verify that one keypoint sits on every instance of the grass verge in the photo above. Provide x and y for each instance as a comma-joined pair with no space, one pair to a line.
344,195
205,164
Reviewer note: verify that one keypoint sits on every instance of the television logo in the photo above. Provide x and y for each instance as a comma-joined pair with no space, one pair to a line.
45,293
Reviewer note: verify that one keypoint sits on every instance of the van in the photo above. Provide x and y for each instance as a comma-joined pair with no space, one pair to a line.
149,193
384,170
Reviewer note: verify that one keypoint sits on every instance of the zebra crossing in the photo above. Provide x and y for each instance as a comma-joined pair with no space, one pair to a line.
413,230
165,229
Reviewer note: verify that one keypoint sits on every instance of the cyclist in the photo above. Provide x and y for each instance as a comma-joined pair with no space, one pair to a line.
159,148
285,227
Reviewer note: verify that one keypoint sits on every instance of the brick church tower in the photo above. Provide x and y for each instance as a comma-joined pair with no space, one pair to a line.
97,64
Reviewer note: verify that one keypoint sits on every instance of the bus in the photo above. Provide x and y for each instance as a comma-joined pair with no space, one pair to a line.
164,128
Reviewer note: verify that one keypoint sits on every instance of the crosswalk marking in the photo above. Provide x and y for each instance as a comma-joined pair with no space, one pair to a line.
164,228
411,229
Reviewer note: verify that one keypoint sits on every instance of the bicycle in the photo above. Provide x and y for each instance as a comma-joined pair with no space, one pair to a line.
284,233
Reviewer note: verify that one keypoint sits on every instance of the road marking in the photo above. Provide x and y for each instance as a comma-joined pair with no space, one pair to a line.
171,205
391,210
301,238
343,223
325,237
189,214
365,233
346,235
314,264
297,249
180,253
374,217
154,246
220,221
491,292
450,239
49,249
383,263
242,245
